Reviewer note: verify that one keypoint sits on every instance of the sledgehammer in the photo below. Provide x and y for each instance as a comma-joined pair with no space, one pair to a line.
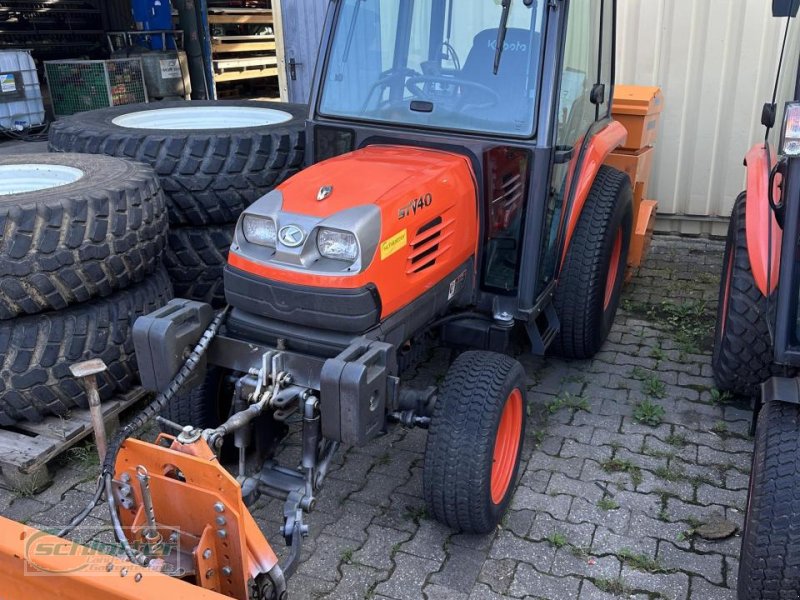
87,371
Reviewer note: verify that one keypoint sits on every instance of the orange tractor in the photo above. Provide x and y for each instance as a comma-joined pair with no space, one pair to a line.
456,191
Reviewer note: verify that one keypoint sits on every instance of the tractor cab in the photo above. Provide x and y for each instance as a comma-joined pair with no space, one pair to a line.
513,95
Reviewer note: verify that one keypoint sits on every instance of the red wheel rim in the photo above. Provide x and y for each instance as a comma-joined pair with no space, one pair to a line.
506,446
613,269
726,294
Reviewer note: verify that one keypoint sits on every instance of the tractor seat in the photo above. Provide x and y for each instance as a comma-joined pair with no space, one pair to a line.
511,81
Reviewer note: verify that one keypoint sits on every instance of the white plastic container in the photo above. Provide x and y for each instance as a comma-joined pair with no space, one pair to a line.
21,104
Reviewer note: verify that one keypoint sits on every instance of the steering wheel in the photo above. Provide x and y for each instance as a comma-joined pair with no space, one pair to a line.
386,78
416,85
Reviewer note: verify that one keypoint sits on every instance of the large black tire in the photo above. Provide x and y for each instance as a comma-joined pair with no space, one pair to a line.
71,243
770,560
585,301
195,259
37,351
208,175
459,455
743,350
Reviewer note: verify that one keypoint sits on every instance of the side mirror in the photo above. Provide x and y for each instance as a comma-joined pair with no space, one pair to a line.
785,8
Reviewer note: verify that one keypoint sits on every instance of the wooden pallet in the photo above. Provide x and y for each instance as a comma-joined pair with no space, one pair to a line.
26,449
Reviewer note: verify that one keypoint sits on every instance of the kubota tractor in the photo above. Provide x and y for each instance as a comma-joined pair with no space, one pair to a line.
757,346
455,191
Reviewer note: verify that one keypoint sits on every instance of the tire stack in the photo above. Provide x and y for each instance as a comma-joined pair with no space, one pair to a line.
82,238
213,158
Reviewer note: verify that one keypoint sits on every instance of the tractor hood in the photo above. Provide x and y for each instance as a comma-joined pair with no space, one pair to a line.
376,175
375,196
388,218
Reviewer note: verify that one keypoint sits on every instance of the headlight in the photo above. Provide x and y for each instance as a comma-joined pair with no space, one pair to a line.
259,230
338,245
791,130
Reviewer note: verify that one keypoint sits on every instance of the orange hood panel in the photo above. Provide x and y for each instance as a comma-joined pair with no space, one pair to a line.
428,212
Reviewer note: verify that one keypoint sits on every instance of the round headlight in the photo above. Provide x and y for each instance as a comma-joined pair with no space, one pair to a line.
338,245
259,230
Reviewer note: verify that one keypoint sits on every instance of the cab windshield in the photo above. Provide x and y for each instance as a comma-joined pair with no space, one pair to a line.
431,63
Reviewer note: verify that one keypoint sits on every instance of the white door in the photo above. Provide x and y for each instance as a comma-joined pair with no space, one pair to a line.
302,30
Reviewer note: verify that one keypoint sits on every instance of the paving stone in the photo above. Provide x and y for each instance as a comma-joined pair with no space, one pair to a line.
545,526
508,546
572,449
460,570
481,591
590,592
307,586
556,506
325,558
707,494
530,582
671,586
379,546
428,541
586,512
438,592
707,565
708,456
353,520
408,577
566,562
356,582
607,542
702,590
498,574
644,526
563,485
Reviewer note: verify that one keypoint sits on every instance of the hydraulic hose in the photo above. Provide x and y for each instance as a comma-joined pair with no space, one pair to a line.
104,483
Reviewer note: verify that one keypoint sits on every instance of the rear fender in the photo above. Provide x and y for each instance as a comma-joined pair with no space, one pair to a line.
764,236
587,164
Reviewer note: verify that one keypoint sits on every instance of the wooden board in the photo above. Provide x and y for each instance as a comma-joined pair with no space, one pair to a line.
247,74
26,448
242,46
264,18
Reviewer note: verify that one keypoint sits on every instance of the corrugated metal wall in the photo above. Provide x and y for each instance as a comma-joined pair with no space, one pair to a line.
715,61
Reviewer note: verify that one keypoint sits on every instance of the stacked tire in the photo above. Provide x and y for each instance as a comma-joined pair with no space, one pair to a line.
213,158
80,261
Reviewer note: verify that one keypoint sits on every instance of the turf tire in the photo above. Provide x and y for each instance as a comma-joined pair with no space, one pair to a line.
195,259
36,351
743,352
770,557
83,240
458,466
208,175
580,296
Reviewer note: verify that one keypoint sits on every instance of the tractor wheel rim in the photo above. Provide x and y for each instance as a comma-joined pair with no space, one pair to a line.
32,177
182,118
506,446
613,269
726,295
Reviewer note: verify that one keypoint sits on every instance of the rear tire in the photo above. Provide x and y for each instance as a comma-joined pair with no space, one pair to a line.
591,278
743,350
770,559
209,175
475,442
85,239
37,351
200,406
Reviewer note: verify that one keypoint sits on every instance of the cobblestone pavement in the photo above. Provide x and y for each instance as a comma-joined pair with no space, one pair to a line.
626,456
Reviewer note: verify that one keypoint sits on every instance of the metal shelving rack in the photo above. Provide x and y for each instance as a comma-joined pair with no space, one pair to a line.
242,40
52,28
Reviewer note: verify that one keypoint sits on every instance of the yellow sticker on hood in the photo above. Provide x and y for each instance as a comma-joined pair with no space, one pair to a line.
393,244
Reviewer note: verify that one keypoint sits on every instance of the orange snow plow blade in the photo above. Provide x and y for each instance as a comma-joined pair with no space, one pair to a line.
34,564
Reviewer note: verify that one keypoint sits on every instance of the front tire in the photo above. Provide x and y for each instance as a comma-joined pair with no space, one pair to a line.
475,442
770,559
591,278
743,350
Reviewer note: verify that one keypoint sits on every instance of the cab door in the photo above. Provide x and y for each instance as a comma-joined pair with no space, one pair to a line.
586,82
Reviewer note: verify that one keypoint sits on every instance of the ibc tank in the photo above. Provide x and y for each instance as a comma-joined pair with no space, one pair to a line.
21,104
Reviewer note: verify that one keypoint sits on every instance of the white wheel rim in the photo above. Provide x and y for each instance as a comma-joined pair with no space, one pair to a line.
202,117
32,177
